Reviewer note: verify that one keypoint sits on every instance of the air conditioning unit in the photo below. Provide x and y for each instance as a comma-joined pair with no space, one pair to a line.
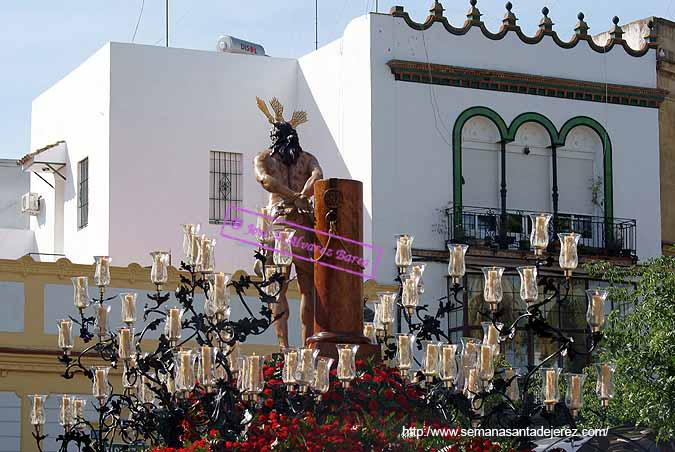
30,204
230,44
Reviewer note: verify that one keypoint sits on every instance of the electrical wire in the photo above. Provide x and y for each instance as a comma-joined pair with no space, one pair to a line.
138,22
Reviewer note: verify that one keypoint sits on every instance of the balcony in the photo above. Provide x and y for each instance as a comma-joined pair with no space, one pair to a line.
492,228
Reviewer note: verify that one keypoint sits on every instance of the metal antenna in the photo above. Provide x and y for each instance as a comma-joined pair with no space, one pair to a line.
316,24
167,23
377,6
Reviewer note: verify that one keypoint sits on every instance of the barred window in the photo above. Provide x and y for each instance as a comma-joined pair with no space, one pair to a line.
83,193
225,192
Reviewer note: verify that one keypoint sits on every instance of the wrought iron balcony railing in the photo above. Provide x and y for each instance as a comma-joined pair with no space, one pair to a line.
480,226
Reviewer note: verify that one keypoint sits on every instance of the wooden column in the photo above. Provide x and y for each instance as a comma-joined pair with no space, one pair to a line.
338,310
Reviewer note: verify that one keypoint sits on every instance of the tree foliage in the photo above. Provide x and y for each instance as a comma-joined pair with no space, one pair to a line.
640,339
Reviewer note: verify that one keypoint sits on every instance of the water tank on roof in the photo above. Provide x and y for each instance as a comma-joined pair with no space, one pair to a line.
230,44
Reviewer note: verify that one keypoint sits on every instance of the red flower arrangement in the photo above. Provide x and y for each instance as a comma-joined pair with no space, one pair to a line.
369,416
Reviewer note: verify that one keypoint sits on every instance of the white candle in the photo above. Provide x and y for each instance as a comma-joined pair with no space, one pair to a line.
187,372
448,361
404,358
254,372
344,369
492,336
66,415
37,416
207,364
174,324
551,386
129,307
605,379
597,317
78,408
575,392
124,343
102,319
486,369
65,334
289,366
100,382
431,359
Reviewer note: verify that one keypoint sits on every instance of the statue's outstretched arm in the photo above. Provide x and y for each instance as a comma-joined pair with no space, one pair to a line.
317,173
271,183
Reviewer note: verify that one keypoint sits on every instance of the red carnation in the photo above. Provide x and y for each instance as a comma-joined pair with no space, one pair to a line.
388,394
269,403
373,405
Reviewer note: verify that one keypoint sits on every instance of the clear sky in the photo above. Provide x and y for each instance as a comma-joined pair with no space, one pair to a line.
43,40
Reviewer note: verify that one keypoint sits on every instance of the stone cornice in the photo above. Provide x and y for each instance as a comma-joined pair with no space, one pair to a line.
545,29
519,83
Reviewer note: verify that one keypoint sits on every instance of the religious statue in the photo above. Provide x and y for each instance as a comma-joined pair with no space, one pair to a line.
288,173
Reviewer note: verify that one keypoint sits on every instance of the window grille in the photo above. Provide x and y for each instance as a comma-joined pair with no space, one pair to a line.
225,192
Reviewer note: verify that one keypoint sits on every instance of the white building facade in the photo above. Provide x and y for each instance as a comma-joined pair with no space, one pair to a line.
427,115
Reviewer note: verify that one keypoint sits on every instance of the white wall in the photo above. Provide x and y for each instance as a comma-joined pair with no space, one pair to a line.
13,184
76,110
334,85
169,109
412,126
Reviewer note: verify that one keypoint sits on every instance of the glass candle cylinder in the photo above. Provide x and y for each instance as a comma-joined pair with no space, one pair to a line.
550,390
512,390
102,312
218,295
78,409
491,334
457,262
595,314
322,375
129,374
403,257
283,250
469,358
409,296
290,364
102,271
574,396
145,393
195,247
387,307
124,342
271,289
66,411
492,289
539,237
185,370
487,369
369,332
206,259
207,361
173,326
472,386
189,231
263,224
448,368
242,378
159,274
128,307
346,366
569,259
431,358
416,273
37,413
605,383
304,371
80,291
65,327
100,388
529,291
404,351
232,353
254,374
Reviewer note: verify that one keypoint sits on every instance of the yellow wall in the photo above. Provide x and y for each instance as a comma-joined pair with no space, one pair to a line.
28,360
666,80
